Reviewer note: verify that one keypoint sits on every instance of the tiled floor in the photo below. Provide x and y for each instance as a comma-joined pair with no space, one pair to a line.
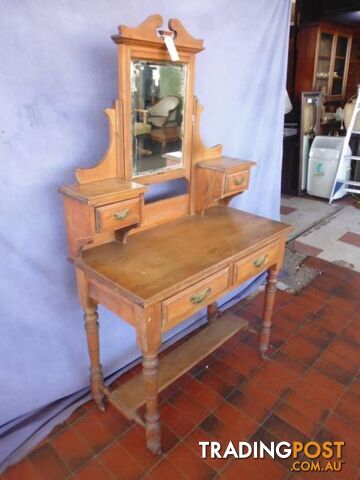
338,240
305,212
309,389
336,235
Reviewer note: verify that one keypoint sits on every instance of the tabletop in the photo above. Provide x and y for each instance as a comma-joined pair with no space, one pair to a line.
157,262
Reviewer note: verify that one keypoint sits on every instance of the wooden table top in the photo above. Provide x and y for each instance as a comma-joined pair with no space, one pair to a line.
156,263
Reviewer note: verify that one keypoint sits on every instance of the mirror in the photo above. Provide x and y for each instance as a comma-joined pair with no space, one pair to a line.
158,102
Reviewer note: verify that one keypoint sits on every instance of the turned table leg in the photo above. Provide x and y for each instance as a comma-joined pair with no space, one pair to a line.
270,291
212,312
92,334
152,416
149,341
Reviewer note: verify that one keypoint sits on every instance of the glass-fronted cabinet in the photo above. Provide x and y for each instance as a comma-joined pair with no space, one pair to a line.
323,60
332,63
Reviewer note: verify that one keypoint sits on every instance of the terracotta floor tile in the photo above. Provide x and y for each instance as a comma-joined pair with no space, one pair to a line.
61,427
80,412
175,420
346,349
94,434
349,408
328,283
205,396
301,349
298,420
23,470
292,314
230,375
251,339
355,387
290,363
220,431
347,472
72,448
285,210
245,353
282,429
306,249
351,238
260,394
133,442
190,409
165,470
93,471
351,333
332,324
318,297
190,464
235,418
323,381
264,469
119,463
48,463
336,304
344,429
308,407
234,361
216,383
275,383
316,334
168,392
112,420
350,452
334,372
340,362
168,439
248,405
192,441
285,324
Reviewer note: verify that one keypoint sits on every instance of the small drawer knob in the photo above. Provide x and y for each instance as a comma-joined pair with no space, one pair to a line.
201,296
259,262
122,215
239,181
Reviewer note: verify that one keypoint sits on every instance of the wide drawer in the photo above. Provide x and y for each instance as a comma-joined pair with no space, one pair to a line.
256,263
182,305
117,215
236,182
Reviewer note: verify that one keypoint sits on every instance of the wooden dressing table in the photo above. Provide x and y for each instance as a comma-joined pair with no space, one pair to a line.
155,263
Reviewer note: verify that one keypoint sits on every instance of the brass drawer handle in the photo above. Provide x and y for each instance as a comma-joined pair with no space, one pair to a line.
259,262
201,296
121,215
239,181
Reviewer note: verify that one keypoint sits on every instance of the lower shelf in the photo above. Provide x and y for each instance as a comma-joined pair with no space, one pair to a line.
131,395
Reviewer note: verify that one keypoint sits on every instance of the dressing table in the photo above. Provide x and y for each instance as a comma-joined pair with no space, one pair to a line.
155,262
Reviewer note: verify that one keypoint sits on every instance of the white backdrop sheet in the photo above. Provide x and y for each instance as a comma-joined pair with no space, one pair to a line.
58,72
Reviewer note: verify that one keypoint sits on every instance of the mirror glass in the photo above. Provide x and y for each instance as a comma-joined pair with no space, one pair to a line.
158,102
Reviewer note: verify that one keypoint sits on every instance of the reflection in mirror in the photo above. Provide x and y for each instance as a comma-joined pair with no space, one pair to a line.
157,98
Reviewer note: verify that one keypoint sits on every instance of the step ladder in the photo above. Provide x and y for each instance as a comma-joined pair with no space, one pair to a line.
350,186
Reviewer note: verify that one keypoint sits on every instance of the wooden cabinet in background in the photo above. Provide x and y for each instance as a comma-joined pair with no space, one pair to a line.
323,53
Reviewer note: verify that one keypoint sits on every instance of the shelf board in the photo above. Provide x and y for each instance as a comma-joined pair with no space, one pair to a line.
131,395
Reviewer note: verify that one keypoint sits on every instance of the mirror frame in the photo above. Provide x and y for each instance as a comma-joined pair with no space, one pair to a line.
144,43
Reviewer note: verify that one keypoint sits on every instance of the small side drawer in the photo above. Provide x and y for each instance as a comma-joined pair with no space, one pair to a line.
256,263
117,215
236,182
180,306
